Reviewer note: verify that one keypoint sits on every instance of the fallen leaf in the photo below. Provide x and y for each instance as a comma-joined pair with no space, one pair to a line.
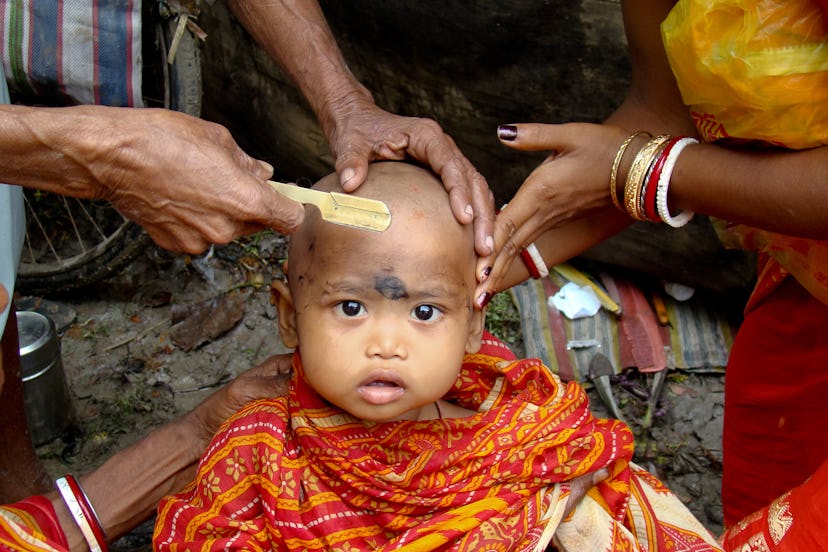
198,323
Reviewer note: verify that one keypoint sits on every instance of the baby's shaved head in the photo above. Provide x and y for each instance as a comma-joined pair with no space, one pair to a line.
415,197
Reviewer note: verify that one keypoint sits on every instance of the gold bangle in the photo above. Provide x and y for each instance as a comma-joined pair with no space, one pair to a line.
635,178
616,163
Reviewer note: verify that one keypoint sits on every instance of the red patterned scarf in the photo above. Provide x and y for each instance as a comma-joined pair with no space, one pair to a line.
293,473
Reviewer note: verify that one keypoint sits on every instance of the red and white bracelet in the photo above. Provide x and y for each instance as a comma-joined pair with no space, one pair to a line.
532,258
84,515
664,185
534,262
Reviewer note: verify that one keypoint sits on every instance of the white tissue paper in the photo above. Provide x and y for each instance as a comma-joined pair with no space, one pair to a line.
575,301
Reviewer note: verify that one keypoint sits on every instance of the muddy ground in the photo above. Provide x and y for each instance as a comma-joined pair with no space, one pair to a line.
131,368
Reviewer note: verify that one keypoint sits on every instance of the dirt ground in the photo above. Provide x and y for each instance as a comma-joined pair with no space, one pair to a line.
129,369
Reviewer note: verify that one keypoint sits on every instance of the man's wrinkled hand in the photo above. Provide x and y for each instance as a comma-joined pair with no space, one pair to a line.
269,379
368,133
184,180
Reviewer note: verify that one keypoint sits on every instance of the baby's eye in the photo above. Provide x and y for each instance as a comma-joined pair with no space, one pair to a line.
351,308
426,313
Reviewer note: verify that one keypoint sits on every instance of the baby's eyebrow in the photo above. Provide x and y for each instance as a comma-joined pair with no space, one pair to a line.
344,286
435,290
419,291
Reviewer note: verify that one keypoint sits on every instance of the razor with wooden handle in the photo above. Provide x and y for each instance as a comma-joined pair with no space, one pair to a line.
345,209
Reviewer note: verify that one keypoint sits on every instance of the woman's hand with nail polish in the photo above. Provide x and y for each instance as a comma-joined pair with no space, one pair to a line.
568,190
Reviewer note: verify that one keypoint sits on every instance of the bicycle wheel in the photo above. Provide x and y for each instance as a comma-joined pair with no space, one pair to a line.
72,243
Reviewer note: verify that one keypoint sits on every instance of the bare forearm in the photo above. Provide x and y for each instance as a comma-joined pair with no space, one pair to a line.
126,489
46,148
654,102
775,189
185,180
296,34
782,191
563,243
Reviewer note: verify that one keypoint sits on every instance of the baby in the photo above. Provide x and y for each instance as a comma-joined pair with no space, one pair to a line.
406,425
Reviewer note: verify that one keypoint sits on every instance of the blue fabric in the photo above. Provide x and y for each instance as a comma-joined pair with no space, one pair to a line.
12,226
67,52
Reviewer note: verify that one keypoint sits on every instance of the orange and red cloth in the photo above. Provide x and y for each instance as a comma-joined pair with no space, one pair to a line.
293,473
320,479
31,525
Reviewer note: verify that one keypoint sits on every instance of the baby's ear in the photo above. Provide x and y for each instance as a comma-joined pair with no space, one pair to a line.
476,326
280,294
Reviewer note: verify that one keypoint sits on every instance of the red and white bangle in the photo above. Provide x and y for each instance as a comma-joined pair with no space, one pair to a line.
664,185
534,262
648,196
84,515
532,258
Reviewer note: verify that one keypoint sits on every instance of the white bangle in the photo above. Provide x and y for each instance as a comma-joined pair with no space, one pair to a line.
75,509
543,270
664,185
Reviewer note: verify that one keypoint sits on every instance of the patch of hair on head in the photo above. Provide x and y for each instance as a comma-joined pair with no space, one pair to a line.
391,287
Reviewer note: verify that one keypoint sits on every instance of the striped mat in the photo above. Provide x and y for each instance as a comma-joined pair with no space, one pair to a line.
697,337
65,52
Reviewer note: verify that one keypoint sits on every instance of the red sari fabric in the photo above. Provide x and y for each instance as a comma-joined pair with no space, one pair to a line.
795,522
293,473
31,525
776,412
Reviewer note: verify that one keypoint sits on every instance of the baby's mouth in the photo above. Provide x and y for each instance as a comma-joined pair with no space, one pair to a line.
381,389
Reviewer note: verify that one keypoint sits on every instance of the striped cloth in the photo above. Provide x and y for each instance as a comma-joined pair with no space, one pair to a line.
697,337
31,525
67,52
294,473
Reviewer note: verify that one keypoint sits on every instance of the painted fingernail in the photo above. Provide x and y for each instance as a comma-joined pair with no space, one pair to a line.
484,299
507,132
485,274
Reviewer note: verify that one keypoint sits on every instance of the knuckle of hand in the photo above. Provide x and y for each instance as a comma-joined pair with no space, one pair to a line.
511,249
508,226
430,125
219,134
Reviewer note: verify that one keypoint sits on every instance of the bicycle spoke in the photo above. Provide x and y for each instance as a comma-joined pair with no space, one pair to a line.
91,219
71,218
33,215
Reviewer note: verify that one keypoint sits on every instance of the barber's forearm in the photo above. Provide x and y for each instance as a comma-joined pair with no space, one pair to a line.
45,148
126,489
296,34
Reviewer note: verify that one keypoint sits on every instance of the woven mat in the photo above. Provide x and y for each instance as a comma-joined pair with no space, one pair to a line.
697,337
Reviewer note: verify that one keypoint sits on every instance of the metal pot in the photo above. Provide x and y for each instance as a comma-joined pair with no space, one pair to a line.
48,405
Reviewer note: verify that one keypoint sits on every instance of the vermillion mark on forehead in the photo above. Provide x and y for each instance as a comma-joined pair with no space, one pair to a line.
391,287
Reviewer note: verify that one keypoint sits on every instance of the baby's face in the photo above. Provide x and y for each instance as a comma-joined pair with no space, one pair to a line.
384,319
